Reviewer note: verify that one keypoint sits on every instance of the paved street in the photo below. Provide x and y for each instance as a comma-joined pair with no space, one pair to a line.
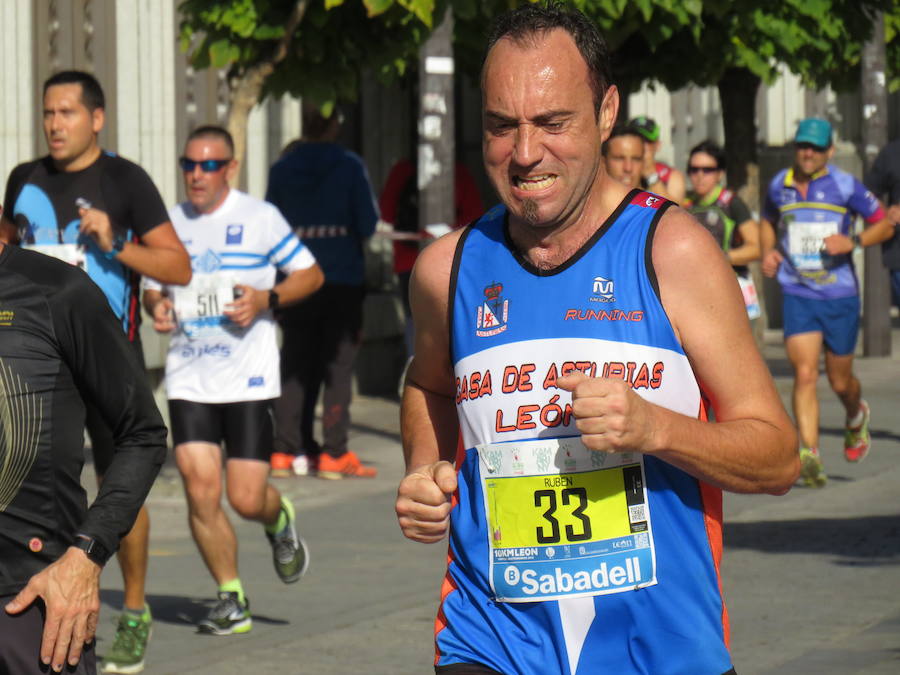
812,579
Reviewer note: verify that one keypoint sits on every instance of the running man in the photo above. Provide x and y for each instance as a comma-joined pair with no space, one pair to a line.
725,215
623,154
222,367
565,345
91,208
61,345
671,179
807,239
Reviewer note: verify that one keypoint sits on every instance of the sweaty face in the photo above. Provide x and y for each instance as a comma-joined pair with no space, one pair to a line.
207,190
809,159
703,170
624,158
541,138
70,128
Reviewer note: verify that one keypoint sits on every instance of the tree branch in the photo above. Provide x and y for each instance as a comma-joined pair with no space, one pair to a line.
246,88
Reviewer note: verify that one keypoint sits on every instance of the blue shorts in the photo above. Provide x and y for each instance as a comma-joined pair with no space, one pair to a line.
836,319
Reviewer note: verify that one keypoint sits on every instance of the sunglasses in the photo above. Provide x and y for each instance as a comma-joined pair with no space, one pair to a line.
809,146
702,169
206,165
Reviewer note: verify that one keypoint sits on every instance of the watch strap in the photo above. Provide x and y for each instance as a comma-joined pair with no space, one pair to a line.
94,550
118,243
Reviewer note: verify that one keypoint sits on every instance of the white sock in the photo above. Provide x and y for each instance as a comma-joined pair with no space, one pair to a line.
858,418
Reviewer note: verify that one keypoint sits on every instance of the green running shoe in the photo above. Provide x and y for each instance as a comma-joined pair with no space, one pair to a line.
811,470
130,644
289,552
857,441
228,616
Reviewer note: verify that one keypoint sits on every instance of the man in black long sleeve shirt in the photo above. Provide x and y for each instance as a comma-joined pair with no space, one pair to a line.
61,345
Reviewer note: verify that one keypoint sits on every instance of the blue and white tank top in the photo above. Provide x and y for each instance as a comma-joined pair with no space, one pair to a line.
563,560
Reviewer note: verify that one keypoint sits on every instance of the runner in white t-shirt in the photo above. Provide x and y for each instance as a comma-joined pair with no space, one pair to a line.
222,369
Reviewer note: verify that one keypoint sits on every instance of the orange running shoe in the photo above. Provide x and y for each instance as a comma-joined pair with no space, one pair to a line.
281,464
345,466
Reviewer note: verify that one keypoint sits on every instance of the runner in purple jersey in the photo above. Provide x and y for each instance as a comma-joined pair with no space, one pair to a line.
808,238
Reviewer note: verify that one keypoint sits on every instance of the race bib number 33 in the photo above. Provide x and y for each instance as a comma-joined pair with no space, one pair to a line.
565,521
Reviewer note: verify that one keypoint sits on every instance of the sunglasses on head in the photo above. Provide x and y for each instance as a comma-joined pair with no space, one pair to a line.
206,165
702,169
809,146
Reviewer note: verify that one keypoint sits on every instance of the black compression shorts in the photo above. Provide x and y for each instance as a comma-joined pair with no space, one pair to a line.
245,427
20,644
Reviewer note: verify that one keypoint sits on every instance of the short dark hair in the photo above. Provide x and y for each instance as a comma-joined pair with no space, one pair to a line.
315,124
621,130
533,20
91,92
213,131
712,149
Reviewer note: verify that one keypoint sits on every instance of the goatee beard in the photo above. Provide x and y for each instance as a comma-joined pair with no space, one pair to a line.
530,211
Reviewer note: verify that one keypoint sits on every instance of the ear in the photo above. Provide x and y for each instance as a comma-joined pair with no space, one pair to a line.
98,118
830,152
609,111
231,171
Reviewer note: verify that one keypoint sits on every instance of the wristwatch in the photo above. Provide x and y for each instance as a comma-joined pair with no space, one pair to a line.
92,548
118,243
273,299
857,244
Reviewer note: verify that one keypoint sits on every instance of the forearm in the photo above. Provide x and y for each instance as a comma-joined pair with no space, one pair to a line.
744,254
429,427
166,265
124,488
876,233
767,236
151,297
746,455
299,285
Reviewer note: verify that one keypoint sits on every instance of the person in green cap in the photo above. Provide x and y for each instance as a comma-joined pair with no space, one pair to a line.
725,215
671,180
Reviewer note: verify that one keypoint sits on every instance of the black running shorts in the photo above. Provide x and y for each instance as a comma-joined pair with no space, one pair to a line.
245,428
20,644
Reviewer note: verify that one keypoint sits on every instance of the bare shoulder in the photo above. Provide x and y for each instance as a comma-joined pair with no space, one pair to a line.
680,243
697,284
431,274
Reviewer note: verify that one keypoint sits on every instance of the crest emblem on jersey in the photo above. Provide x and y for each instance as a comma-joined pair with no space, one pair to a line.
647,200
207,263
493,312
234,234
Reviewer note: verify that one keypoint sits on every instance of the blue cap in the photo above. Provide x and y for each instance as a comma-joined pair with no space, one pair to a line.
814,130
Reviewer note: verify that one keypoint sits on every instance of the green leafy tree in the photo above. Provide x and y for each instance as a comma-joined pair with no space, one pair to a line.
741,43
310,48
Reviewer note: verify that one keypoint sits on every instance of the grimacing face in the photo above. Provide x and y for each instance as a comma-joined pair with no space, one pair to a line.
69,127
624,159
541,136
207,190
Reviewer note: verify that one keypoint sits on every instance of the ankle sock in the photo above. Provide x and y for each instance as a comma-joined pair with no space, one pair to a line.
282,521
234,586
